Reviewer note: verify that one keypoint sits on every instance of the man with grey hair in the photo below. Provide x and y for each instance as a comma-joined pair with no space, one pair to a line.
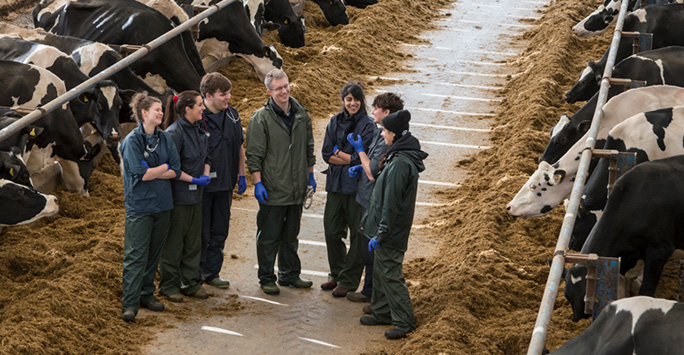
280,156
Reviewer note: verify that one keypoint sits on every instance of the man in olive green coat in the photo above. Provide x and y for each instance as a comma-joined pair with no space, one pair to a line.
280,156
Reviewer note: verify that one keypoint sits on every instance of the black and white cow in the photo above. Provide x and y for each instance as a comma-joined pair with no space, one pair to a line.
292,28
255,11
665,22
550,184
22,204
656,67
12,167
632,326
606,14
334,11
123,22
643,220
361,4
229,32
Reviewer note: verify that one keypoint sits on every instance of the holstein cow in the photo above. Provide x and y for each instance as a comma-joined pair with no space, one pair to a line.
229,32
656,67
22,204
123,22
12,167
632,326
551,183
665,22
334,11
600,19
643,220
31,86
255,11
362,4
652,135
292,28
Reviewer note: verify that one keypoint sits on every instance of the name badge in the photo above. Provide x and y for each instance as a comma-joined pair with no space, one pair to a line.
212,174
207,133
192,187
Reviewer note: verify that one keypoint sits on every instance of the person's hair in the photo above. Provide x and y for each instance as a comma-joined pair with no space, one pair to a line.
356,90
213,82
275,74
173,109
141,101
389,101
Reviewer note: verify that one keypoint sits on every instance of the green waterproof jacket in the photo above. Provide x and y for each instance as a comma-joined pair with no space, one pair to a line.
392,204
282,157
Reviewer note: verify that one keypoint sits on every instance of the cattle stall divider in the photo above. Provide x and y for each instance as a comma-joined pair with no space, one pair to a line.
43,110
541,325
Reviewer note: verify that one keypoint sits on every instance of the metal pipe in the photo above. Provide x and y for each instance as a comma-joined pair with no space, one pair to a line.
144,50
553,281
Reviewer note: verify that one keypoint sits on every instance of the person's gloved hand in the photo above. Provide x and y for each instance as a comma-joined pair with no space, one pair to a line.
356,143
354,170
260,192
203,180
312,181
373,244
242,184
144,163
335,148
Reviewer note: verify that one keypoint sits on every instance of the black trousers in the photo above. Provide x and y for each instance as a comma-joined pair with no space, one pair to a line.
277,231
215,224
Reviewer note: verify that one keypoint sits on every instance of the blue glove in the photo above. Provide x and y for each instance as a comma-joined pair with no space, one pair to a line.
312,181
203,180
354,170
260,192
335,148
357,144
373,244
242,184
144,163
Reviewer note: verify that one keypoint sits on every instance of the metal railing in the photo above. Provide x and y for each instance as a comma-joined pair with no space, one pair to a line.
553,282
43,110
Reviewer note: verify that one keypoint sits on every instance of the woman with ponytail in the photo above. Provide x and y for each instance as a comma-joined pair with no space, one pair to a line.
180,260
150,160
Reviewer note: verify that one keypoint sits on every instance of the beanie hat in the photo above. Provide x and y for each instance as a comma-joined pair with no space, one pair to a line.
397,122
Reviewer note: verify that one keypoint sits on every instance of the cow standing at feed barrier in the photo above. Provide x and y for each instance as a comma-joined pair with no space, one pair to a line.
643,220
656,67
632,326
551,183
334,11
665,22
605,15
292,28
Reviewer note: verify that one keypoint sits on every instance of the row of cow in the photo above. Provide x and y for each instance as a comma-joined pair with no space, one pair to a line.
641,219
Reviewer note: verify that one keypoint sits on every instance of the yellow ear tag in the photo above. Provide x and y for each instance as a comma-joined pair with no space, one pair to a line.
11,171
33,132
286,21
85,99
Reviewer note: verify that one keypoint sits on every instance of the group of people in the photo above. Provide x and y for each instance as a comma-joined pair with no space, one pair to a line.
182,164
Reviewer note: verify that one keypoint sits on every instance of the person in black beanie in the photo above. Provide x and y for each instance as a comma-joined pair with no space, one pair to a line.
388,223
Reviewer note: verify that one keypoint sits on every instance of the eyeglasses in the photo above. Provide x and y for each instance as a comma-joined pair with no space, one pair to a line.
281,88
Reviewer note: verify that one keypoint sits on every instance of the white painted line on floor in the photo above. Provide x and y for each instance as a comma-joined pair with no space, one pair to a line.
534,18
478,63
473,86
491,52
220,330
310,215
468,21
478,74
524,8
449,111
264,300
304,272
417,124
428,182
516,25
536,2
456,145
320,342
462,98
430,204
313,242
457,30
475,4
415,45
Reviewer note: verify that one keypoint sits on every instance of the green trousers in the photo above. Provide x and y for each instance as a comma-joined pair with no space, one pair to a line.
343,213
390,300
143,242
180,258
277,231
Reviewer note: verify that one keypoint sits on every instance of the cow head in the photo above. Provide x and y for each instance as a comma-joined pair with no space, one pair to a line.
544,190
598,20
27,205
12,167
104,104
334,11
587,85
564,138
575,289
291,31
264,64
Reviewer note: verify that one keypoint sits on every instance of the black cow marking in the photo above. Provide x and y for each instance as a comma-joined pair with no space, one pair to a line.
660,119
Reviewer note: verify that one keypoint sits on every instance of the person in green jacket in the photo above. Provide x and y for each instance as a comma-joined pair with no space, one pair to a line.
388,221
280,156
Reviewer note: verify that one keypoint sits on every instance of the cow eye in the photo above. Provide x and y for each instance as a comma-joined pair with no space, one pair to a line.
533,187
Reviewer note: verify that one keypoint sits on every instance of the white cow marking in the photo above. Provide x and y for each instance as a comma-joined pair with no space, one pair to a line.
575,279
109,94
562,122
641,15
588,70
641,304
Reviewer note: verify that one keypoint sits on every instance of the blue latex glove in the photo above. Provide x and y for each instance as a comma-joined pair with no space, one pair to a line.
357,144
260,192
203,180
144,163
335,148
312,181
373,244
242,184
355,170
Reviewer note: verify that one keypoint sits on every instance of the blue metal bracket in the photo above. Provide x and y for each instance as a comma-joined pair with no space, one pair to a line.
603,274
641,41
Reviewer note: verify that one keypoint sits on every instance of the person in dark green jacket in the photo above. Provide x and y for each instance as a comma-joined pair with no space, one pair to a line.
150,160
388,222
180,260
280,156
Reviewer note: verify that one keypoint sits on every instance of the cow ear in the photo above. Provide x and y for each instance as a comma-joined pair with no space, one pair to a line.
300,16
591,65
565,272
559,176
12,169
584,126
16,151
32,131
286,20
271,26
86,96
